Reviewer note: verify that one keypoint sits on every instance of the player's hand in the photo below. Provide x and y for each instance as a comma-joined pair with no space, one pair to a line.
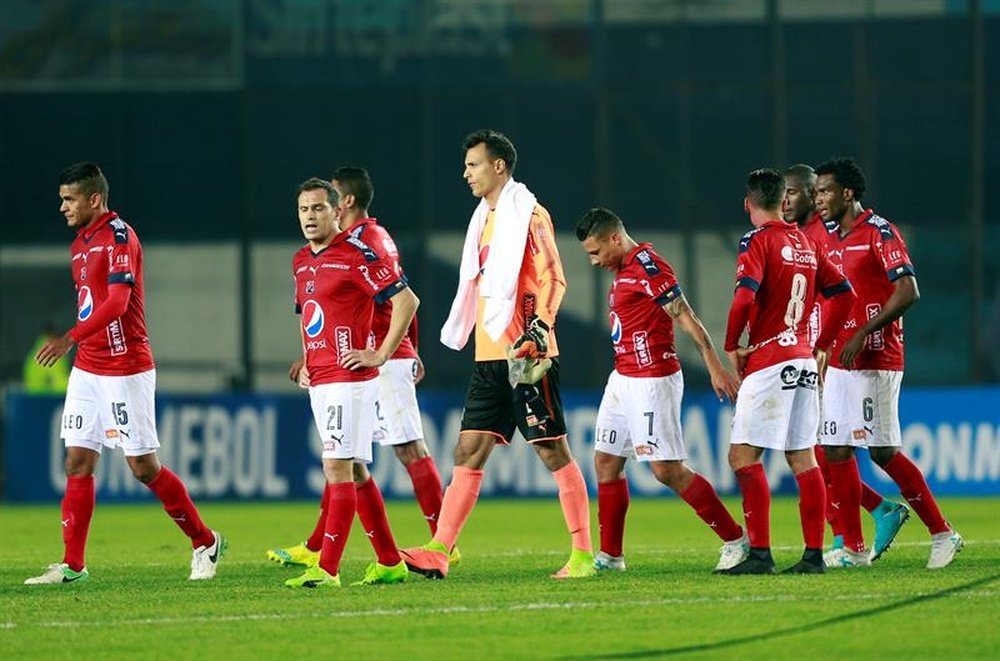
852,349
738,358
293,371
53,350
356,359
419,373
535,341
725,383
821,361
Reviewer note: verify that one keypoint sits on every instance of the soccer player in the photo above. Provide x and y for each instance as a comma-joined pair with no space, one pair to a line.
339,279
399,423
510,286
889,516
861,395
779,272
640,413
109,398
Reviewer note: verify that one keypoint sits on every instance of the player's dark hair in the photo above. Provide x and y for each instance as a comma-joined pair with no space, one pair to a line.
804,174
599,222
88,177
497,146
355,181
766,188
847,173
315,183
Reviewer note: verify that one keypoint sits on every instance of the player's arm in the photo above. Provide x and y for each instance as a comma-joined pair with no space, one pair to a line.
739,314
112,308
904,294
724,382
551,287
298,372
404,306
411,332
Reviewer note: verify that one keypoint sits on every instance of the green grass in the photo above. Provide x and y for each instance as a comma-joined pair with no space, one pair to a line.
500,602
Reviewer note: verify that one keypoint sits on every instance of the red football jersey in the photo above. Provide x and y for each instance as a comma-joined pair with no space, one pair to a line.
336,291
787,270
104,254
642,333
820,232
375,235
873,256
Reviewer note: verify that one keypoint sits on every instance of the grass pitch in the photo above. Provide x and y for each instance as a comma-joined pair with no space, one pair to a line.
500,602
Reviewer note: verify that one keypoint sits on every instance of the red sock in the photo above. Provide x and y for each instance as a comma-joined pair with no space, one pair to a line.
870,499
914,488
371,511
812,505
339,517
457,504
701,496
846,498
178,505
756,504
77,510
427,488
831,511
612,505
315,541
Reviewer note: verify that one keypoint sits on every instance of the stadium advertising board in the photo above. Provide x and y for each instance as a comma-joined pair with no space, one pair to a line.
265,447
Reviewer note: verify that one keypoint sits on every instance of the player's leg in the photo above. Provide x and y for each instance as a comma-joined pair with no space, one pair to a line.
744,460
340,515
84,438
539,415
389,567
884,446
812,508
486,420
612,448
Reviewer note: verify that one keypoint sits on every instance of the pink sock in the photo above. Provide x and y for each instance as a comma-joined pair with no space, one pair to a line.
77,510
575,504
612,505
812,505
701,496
914,488
371,511
457,504
179,506
756,504
340,516
315,541
427,488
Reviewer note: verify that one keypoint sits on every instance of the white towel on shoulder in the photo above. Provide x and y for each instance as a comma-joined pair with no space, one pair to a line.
499,282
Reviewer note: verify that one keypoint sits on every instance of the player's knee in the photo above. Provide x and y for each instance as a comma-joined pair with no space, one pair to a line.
882,456
473,450
79,466
739,458
837,453
554,454
411,451
673,474
608,468
361,474
144,468
801,460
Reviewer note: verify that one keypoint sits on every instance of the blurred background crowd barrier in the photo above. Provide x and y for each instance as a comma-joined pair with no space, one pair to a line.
206,114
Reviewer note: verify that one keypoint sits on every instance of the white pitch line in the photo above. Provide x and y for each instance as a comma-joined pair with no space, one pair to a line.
462,610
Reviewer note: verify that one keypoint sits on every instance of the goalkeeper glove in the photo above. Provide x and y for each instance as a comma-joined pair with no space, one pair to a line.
535,341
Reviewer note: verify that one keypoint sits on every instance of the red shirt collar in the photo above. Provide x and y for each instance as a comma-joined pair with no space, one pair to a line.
88,232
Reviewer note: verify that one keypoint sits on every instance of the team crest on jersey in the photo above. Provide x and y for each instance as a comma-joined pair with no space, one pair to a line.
312,313
310,286
647,262
616,328
85,304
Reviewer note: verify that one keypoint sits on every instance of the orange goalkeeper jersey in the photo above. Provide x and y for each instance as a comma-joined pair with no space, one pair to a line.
540,285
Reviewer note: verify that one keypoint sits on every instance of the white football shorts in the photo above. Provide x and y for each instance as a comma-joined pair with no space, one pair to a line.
111,411
398,413
861,408
777,407
640,417
345,418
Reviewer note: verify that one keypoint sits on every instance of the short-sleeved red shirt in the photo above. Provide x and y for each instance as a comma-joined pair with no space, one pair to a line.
786,270
336,291
642,333
108,254
873,256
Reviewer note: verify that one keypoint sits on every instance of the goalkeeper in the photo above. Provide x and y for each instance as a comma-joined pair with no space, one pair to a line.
510,286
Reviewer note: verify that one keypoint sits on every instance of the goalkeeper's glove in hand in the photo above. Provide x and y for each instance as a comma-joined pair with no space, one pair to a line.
535,341
525,370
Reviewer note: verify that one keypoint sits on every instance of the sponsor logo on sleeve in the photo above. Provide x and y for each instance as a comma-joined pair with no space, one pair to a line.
641,348
116,338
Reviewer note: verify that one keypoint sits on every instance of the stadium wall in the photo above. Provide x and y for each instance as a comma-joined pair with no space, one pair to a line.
265,447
